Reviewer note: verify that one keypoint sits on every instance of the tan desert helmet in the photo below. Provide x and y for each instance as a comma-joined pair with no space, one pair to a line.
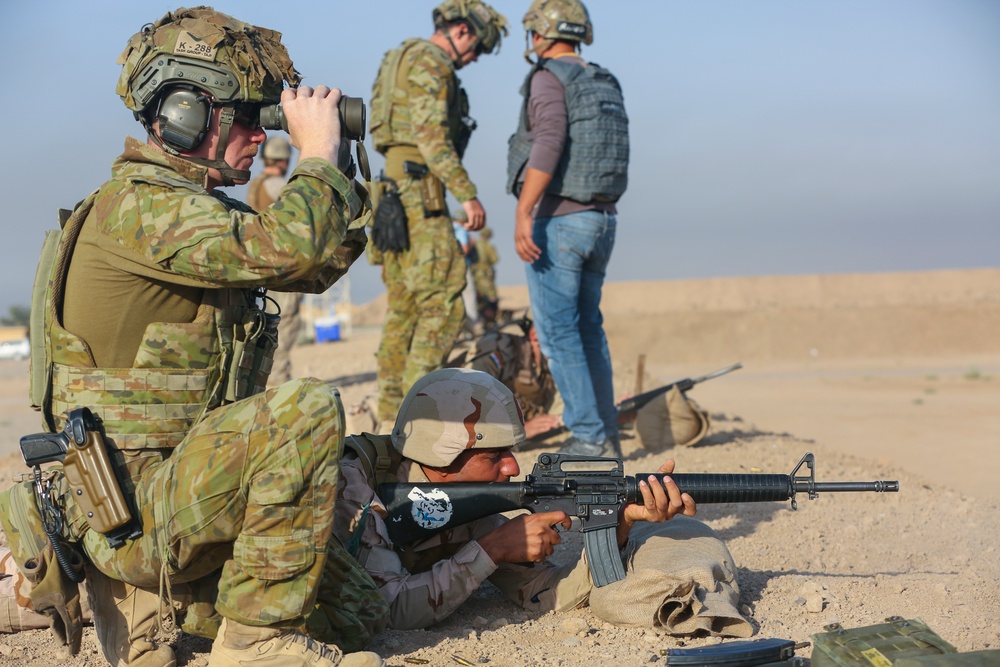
454,409
277,148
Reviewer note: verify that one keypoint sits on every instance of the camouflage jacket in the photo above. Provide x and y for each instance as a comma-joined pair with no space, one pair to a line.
427,113
153,299
428,581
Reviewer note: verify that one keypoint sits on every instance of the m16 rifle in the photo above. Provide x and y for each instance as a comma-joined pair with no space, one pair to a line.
594,490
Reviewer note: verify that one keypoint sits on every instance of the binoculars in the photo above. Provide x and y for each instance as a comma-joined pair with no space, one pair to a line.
352,118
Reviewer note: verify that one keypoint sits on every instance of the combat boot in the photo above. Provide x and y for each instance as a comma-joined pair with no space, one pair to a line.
125,622
239,645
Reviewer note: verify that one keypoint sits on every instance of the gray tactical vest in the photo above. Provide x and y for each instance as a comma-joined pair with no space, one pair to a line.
594,163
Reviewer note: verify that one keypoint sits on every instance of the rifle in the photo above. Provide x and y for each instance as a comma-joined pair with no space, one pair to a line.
628,407
592,489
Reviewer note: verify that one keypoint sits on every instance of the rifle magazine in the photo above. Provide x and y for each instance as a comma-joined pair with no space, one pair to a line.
603,556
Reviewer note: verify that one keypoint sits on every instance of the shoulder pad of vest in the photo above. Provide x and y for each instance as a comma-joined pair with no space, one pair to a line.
377,456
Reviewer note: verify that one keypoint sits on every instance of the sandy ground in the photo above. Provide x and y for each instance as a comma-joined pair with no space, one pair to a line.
880,376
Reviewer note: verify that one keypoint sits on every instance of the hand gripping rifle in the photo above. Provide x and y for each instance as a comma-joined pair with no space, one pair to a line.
592,489
628,407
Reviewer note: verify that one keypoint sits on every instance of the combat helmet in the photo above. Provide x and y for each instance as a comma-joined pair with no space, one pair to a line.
191,60
557,19
454,409
488,24
276,148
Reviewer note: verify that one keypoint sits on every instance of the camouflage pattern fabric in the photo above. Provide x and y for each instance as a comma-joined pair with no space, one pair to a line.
427,581
261,193
15,606
483,269
452,410
246,495
251,490
425,310
425,283
427,113
289,332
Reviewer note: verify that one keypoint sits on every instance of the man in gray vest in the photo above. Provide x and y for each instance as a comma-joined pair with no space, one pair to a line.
568,166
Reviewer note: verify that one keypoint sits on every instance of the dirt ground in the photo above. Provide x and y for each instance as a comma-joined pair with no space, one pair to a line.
892,377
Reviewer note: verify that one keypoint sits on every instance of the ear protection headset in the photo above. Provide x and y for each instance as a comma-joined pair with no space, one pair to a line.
184,116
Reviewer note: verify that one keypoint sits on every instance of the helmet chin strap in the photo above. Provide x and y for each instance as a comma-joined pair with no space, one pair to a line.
228,173
457,60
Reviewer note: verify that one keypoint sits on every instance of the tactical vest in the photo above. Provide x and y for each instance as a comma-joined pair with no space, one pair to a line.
594,163
257,195
390,114
378,457
180,372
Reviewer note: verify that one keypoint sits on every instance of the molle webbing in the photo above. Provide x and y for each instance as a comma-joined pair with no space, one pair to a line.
391,78
594,163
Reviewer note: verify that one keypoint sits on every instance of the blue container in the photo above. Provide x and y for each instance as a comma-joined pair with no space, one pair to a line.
327,330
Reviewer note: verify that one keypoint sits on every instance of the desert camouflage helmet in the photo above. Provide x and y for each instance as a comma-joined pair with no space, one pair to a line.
488,24
486,232
558,19
454,409
276,148
169,66
231,60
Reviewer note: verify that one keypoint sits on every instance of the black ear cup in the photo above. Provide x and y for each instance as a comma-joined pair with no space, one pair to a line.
184,117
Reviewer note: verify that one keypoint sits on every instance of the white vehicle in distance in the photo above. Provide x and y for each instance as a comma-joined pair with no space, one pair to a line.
15,349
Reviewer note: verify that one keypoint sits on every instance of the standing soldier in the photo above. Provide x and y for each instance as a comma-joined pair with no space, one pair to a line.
484,276
152,343
261,193
420,122
568,170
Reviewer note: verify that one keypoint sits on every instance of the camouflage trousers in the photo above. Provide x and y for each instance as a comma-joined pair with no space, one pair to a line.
247,497
425,311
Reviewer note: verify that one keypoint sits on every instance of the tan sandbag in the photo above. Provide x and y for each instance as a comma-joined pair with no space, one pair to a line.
673,419
680,578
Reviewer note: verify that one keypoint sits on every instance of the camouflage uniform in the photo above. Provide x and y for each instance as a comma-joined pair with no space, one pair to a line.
248,487
483,269
424,283
430,580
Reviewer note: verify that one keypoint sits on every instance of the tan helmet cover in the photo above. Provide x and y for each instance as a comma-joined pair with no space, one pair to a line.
671,420
276,148
559,19
232,60
489,25
454,409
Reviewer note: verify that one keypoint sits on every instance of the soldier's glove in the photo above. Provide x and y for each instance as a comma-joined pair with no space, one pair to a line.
389,231
54,595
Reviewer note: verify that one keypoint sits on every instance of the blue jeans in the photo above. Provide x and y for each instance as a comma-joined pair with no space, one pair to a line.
565,289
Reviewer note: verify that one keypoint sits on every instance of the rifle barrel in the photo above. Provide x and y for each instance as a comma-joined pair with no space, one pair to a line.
880,486
708,488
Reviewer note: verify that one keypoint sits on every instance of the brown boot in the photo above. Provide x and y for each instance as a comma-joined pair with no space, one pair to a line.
239,645
125,622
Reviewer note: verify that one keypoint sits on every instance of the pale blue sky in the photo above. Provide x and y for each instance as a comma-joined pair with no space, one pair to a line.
768,136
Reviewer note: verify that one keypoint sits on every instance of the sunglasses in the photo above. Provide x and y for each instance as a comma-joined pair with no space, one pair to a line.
247,114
